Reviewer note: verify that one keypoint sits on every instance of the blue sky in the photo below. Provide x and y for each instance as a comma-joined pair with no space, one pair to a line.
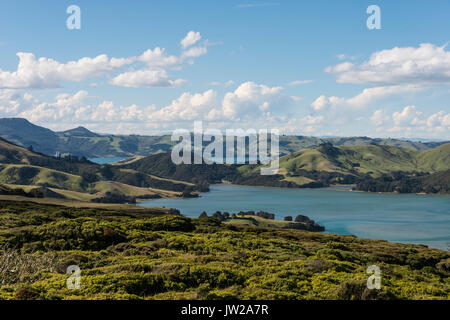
305,67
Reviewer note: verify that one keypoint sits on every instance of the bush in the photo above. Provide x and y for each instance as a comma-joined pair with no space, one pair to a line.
166,223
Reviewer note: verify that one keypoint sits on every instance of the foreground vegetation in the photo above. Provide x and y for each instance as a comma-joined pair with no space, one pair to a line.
151,255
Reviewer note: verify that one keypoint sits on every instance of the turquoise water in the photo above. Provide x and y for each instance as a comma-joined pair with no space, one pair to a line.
107,160
406,218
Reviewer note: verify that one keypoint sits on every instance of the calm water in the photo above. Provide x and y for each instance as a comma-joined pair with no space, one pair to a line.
421,219
107,160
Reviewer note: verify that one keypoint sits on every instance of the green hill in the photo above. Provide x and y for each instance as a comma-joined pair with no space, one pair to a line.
328,164
72,177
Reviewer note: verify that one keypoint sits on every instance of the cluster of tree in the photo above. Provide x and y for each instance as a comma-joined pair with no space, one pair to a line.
4,190
261,214
114,197
161,165
402,182
304,223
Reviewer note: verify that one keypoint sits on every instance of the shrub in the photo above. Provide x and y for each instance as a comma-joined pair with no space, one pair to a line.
165,223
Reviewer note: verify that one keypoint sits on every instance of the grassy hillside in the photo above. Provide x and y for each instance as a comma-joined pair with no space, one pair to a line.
80,179
126,255
330,164
39,176
437,159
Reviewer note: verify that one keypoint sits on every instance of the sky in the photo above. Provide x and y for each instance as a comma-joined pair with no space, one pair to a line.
303,67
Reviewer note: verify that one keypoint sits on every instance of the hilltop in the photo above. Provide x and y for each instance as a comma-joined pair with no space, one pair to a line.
22,132
79,132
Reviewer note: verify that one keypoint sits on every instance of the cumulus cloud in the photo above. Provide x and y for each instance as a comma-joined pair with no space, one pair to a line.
74,108
158,58
146,78
412,122
250,98
427,64
45,72
379,117
157,62
365,98
249,104
409,115
190,39
12,102
248,101
48,73
199,106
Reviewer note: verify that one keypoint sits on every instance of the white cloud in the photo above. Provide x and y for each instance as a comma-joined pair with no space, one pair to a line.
299,82
425,65
45,73
157,58
439,119
248,101
365,98
157,61
191,38
199,106
379,117
225,84
409,122
409,115
48,73
146,78
251,98
12,102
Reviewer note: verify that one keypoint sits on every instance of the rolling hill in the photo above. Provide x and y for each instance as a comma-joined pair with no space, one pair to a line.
327,164
80,179
315,167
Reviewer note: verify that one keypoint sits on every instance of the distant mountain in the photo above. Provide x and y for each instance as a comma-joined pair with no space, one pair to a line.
22,132
79,132
83,142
